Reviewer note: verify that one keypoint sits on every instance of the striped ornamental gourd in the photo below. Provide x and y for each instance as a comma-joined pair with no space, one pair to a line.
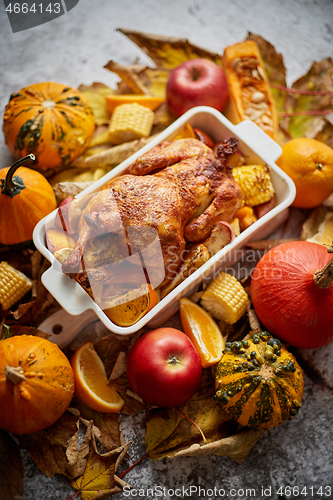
259,382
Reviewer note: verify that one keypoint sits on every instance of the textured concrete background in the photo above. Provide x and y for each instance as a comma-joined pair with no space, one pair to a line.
73,49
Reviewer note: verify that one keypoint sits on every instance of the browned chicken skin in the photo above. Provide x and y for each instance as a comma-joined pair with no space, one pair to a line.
190,191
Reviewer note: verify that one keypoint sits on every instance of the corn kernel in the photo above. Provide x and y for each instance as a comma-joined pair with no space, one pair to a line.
255,182
130,122
225,298
13,285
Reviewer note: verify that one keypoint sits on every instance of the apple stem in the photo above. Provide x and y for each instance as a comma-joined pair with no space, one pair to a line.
194,423
195,75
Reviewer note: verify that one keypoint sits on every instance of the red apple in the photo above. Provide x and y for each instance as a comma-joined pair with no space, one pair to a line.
197,82
164,367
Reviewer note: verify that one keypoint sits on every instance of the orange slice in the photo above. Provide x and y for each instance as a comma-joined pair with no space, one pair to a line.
91,383
145,100
203,331
62,254
132,306
185,132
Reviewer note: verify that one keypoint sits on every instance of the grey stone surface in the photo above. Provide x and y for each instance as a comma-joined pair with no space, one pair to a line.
73,49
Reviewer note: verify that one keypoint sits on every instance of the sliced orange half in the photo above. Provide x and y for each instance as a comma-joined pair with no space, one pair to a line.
145,100
203,331
91,383
132,306
185,132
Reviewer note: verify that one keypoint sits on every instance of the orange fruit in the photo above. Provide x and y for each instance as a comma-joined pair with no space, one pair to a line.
132,306
203,331
185,132
145,100
91,383
309,163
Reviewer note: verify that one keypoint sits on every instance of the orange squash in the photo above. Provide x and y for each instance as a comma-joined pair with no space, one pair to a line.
50,120
25,198
36,384
292,293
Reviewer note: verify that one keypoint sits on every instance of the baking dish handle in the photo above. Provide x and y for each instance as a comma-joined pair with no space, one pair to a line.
257,138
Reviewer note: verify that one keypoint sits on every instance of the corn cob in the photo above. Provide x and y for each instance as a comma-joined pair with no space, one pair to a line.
13,285
225,298
255,183
129,122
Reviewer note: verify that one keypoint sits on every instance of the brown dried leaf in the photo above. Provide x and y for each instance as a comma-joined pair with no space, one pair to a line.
77,455
99,479
95,94
168,432
107,423
47,448
236,447
109,348
311,225
129,75
168,52
111,156
11,468
72,188
318,78
26,330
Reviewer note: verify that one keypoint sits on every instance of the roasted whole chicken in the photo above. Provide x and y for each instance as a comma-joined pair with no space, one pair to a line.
142,221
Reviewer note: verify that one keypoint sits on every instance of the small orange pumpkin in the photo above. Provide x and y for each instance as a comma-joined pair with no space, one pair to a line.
25,198
50,120
36,384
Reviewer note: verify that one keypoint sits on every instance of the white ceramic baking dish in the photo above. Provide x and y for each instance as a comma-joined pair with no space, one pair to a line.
255,145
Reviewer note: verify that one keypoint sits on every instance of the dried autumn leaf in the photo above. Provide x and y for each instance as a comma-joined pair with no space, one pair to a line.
311,225
129,75
111,156
76,455
95,95
72,188
11,468
168,432
26,330
108,424
47,448
318,78
168,52
236,447
140,79
109,349
99,479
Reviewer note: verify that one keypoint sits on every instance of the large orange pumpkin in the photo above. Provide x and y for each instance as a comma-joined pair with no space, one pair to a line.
292,293
50,120
36,383
25,198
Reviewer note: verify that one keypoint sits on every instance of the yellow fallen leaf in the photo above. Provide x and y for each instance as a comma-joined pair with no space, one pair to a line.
168,52
96,98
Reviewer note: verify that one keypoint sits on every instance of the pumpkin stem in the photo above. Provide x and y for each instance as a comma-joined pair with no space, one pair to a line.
14,374
14,185
324,277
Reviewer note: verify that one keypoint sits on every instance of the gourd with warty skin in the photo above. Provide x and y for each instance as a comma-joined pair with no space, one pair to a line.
258,382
